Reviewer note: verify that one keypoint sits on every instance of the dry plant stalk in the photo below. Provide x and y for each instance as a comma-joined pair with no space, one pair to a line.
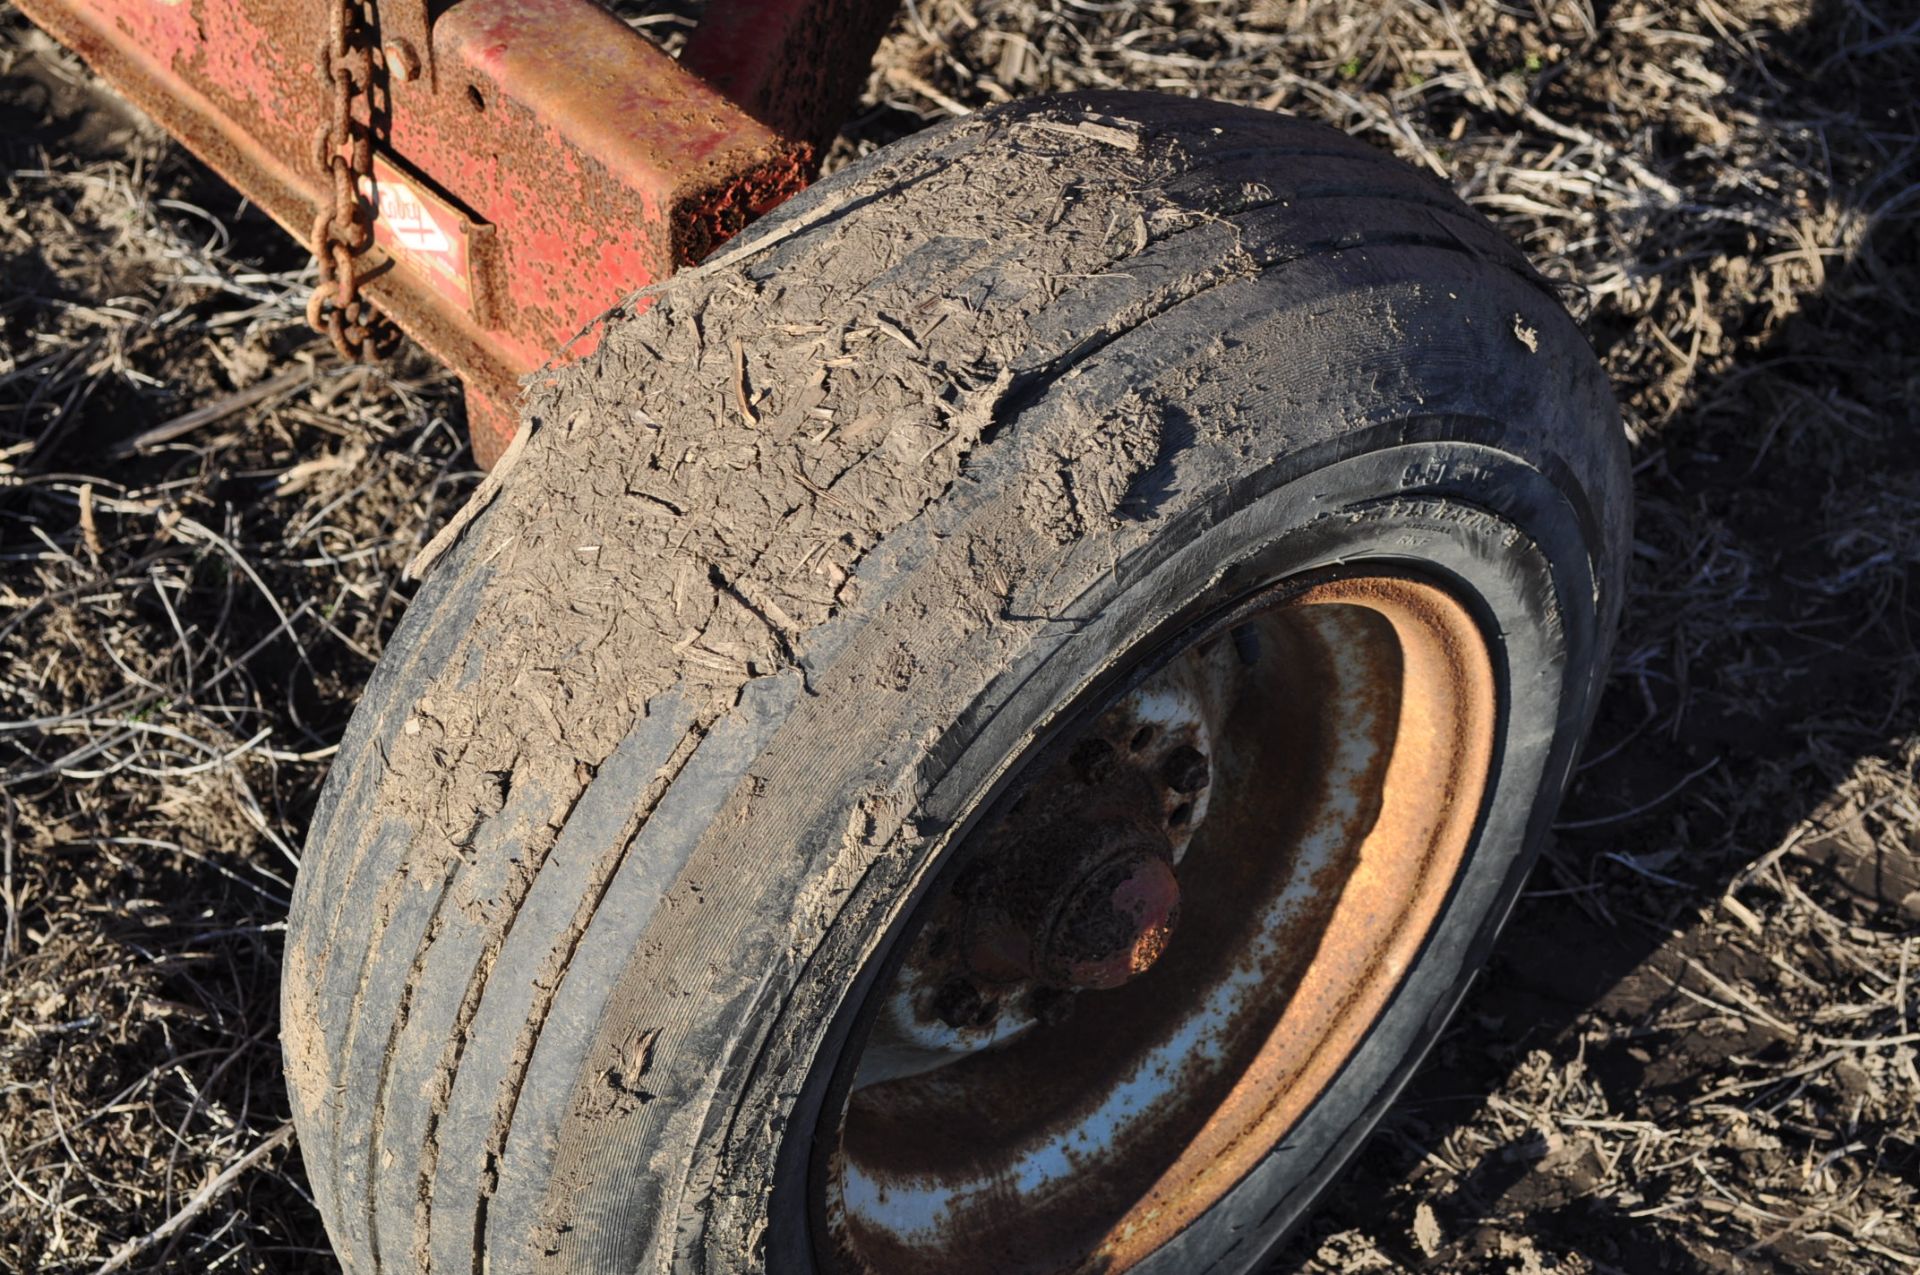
1696,1047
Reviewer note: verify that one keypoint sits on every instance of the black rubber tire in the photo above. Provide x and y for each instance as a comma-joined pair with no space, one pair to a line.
640,793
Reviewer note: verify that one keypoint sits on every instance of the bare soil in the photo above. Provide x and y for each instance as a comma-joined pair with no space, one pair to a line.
1694,1050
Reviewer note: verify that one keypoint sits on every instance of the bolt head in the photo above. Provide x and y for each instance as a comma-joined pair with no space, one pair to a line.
403,63
1093,759
962,1006
1185,769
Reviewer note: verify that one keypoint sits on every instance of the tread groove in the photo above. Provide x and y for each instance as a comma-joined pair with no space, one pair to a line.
386,1065
443,1073
554,974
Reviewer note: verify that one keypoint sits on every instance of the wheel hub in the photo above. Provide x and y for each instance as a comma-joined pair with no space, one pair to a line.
1075,890
1167,940
1105,920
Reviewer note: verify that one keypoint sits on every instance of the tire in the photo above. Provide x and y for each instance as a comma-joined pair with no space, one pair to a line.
812,576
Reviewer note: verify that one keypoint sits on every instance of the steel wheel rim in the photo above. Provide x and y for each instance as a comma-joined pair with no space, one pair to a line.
1346,759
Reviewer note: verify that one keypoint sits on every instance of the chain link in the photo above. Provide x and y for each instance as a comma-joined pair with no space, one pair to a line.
343,229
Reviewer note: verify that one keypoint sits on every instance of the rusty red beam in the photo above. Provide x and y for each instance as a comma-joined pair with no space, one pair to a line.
797,66
540,163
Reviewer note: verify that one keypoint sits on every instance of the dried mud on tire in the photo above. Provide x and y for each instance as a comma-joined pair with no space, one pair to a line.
711,509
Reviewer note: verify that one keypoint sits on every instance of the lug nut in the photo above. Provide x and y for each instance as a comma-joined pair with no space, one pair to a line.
961,1006
1185,769
402,62
1092,759
1246,644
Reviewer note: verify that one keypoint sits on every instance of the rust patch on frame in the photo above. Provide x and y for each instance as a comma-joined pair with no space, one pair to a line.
588,162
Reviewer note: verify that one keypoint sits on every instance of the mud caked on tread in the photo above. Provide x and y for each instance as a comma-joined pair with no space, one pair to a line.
801,556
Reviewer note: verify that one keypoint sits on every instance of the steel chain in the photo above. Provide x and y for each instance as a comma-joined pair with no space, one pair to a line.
343,228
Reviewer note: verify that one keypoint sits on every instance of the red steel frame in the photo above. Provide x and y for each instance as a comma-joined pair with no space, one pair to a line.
535,161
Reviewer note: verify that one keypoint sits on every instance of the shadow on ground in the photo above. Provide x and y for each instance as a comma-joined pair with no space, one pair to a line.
1649,1075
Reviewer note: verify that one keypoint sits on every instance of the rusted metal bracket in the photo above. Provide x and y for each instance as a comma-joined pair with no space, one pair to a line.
797,66
534,161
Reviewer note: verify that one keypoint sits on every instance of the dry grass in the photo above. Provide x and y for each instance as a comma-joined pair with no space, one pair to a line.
1696,1050
181,637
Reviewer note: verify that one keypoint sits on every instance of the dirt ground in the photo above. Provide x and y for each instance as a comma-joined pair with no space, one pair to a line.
1695,1050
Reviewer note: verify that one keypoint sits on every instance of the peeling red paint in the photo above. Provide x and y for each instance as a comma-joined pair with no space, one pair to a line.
587,162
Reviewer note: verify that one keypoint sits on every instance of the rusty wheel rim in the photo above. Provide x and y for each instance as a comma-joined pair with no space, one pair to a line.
1152,957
